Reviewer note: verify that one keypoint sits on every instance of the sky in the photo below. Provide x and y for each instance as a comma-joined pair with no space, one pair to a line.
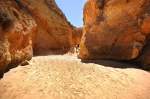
73,10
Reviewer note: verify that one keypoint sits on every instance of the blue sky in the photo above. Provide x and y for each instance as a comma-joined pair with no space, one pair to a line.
73,10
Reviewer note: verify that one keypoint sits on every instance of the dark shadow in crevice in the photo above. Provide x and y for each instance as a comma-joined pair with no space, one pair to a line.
115,64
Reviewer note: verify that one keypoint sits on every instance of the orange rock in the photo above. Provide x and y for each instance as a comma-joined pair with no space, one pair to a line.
77,35
16,28
115,29
54,31
146,25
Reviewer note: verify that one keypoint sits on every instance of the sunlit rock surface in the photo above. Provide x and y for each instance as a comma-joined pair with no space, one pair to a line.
54,31
16,28
115,29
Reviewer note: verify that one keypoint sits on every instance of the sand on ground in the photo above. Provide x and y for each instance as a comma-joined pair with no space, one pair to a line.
66,77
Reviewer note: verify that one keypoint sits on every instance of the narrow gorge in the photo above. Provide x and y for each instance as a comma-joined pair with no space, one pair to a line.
44,56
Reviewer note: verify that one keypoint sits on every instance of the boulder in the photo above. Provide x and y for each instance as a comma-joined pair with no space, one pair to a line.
115,29
54,31
16,28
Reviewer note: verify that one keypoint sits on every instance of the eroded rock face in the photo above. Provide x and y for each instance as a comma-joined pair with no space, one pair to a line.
16,28
54,31
115,29
77,35
144,59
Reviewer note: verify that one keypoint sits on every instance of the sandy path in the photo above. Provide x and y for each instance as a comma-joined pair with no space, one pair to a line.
65,77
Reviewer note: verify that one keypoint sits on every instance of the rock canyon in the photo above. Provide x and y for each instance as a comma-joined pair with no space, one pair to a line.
43,56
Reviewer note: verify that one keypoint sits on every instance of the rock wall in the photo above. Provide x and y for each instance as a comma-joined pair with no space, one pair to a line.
37,24
54,31
115,29
16,28
77,35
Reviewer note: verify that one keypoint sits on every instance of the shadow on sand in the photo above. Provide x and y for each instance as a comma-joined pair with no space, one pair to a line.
114,64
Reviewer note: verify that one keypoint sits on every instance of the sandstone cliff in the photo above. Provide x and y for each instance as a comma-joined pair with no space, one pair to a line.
54,31
16,28
77,35
38,21
115,29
